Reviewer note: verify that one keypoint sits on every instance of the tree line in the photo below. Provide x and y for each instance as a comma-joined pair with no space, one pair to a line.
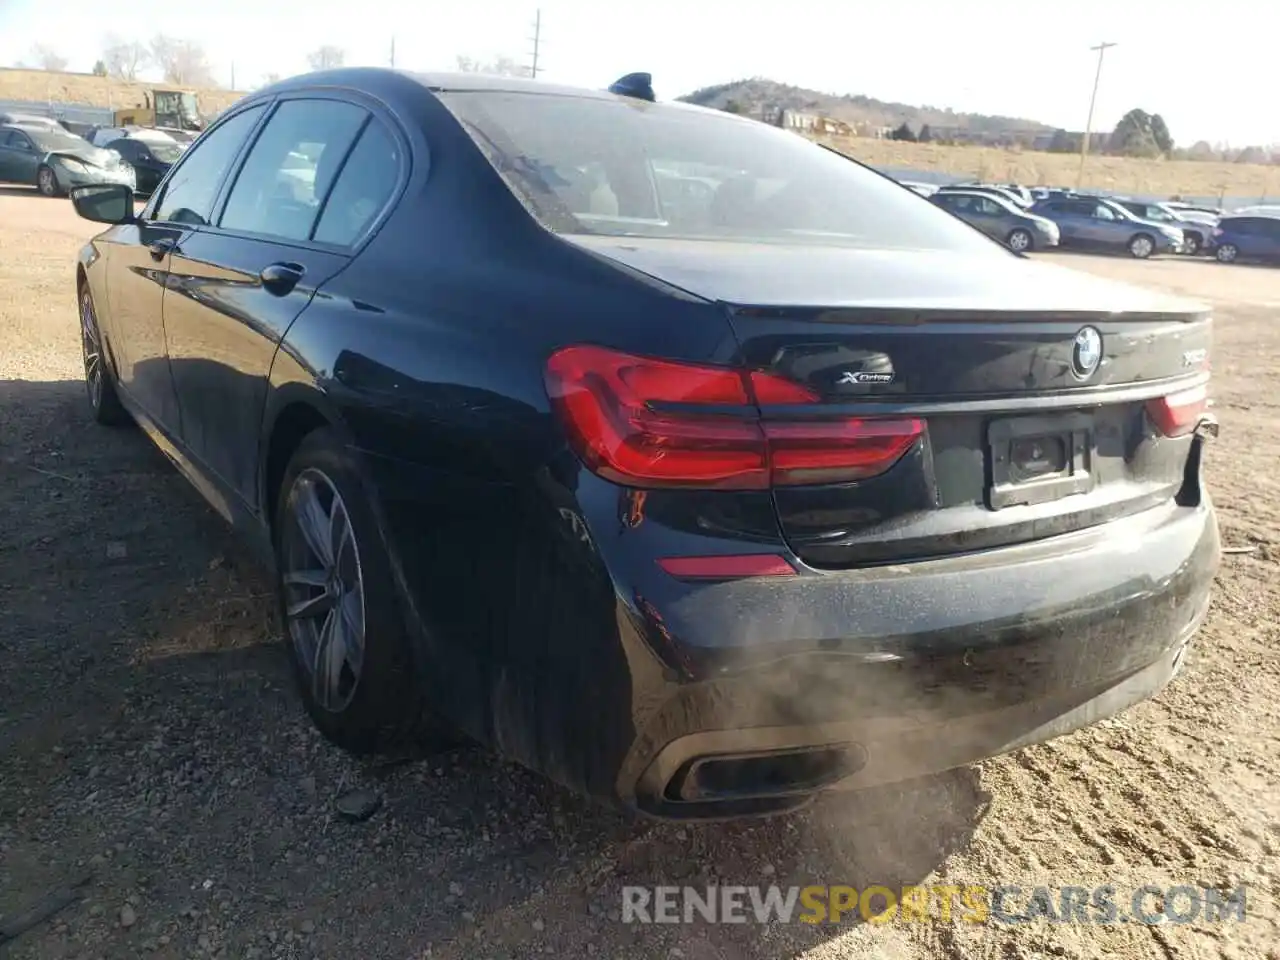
1138,134
185,62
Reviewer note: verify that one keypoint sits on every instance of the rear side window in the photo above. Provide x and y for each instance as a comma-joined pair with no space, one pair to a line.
613,167
279,189
363,189
193,187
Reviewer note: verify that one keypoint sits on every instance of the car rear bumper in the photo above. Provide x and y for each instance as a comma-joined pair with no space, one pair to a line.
851,679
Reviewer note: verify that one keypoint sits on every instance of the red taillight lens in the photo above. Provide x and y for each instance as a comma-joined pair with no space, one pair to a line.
605,399
1217,231
634,420
1178,413
732,567
831,451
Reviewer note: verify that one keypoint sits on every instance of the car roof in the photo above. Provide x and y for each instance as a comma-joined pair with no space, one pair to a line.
377,79
978,192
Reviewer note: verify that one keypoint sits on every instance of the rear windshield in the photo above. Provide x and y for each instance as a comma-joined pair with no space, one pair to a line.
627,168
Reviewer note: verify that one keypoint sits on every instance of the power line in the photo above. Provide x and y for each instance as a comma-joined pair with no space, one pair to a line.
537,42
1102,48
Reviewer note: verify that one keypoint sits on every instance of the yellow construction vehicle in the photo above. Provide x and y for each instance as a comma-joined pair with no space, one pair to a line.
165,109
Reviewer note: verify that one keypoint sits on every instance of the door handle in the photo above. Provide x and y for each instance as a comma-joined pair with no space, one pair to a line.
161,248
281,278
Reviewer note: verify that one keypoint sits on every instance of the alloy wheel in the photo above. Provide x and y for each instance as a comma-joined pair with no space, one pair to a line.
91,347
1020,241
1141,247
46,182
1227,253
323,589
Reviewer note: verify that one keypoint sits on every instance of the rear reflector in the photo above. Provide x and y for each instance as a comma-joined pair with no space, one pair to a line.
1178,413
727,567
635,421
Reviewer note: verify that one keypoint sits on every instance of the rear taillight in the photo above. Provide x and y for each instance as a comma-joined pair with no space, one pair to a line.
731,567
1179,413
1217,231
645,422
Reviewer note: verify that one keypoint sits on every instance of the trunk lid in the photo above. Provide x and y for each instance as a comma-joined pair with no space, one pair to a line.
1033,382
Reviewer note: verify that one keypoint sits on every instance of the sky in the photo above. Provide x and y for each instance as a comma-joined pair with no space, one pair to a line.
1025,58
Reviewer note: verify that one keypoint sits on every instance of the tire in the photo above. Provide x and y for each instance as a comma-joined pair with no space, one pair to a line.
47,182
1193,244
370,702
99,382
1020,241
1227,253
1142,246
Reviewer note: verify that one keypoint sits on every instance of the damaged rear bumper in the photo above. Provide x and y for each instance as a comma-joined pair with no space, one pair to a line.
949,662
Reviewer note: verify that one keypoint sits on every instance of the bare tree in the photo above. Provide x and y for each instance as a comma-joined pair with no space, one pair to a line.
125,59
182,61
502,67
327,57
47,58
269,78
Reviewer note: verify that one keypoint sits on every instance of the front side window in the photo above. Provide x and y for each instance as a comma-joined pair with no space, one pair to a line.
288,172
1103,212
193,187
624,168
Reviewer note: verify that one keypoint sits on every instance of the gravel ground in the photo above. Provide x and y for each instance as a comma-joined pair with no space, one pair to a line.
151,747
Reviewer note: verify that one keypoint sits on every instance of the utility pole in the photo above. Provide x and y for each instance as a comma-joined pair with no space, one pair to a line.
233,74
393,52
537,41
1088,124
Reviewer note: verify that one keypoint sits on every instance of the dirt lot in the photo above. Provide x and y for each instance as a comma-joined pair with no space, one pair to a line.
151,746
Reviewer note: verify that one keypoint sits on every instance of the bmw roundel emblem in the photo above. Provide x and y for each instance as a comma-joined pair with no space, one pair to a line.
1086,353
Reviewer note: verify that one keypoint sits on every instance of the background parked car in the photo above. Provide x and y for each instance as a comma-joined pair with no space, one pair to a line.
1094,223
1247,238
924,189
1022,193
1001,193
1196,226
150,158
29,120
1182,206
1015,228
54,160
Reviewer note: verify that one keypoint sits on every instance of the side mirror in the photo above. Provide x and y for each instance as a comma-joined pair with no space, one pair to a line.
104,202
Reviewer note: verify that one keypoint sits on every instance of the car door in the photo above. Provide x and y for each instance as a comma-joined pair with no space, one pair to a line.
19,158
1067,215
236,287
1102,225
991,218
1266,238
140,258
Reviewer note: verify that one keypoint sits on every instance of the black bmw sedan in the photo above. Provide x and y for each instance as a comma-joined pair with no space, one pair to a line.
660,450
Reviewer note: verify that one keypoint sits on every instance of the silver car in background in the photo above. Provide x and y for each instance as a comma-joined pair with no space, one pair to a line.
999,219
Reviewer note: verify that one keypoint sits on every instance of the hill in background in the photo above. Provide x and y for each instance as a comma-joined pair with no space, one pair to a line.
762,98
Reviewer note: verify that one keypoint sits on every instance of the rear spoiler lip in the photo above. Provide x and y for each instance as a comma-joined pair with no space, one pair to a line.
1022,402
